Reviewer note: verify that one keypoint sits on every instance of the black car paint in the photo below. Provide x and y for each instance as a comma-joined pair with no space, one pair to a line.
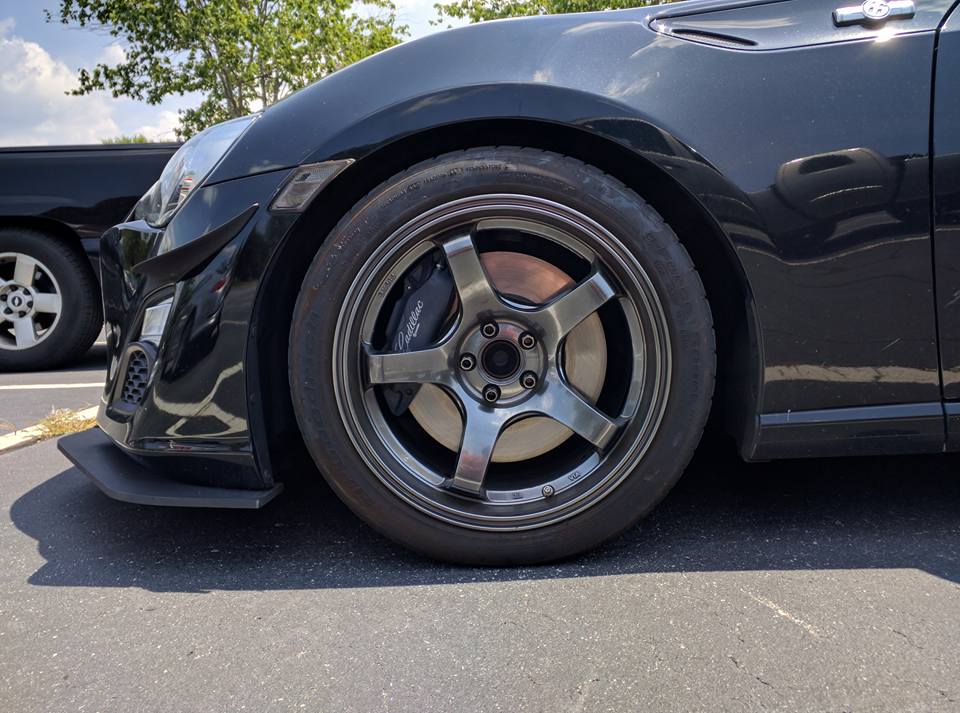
80,189
946,210
809,153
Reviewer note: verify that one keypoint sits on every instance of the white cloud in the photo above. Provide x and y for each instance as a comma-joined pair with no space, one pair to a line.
33,83
163,128
36,108
113,54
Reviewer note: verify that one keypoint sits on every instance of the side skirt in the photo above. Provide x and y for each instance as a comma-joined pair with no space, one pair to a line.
857,431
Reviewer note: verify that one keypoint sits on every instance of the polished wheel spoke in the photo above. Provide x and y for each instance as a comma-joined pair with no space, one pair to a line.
473,286
47,302
24,332
481,430
426,366
24,270
567,311
563,404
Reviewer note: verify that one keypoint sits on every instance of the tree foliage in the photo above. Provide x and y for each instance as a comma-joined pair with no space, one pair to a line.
240,54
479,10
125,139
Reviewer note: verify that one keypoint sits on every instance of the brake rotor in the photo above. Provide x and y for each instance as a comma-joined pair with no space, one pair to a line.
536,281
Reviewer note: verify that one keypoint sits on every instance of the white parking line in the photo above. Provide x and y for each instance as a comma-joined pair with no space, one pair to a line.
27,387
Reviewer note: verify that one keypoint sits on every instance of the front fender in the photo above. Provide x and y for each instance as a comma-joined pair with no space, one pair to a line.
587,53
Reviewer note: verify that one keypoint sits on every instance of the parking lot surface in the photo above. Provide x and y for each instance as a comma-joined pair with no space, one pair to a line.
827,585
26,397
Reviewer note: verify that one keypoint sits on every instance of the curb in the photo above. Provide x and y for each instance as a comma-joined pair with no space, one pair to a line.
31,434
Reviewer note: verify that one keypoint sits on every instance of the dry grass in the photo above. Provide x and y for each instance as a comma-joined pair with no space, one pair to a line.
62,421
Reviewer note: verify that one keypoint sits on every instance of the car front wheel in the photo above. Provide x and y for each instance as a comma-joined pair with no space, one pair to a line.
501,356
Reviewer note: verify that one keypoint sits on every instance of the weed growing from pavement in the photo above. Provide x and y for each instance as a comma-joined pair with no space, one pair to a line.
63,421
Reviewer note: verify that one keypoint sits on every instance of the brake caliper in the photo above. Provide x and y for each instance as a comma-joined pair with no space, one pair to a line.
417,319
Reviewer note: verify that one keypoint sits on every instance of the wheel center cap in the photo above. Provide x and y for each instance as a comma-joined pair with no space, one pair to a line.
501,359
495,366
16,301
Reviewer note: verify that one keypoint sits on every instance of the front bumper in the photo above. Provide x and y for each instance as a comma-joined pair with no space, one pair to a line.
182,434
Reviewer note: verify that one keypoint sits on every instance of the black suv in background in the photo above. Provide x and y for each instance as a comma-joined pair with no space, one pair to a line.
55,201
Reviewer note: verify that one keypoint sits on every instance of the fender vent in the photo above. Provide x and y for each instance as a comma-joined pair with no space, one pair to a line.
758,25
712,37
135,381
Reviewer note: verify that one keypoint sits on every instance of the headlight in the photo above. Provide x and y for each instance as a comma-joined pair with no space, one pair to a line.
187,168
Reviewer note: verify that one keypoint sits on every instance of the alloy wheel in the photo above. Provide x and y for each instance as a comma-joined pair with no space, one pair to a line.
555,340
30,301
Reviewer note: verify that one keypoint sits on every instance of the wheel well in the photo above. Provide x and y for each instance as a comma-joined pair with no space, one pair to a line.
53,228
727,292
43,225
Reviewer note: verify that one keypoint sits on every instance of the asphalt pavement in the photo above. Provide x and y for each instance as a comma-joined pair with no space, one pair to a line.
26,397
827,585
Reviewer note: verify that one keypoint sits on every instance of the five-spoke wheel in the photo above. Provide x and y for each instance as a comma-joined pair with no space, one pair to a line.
519,373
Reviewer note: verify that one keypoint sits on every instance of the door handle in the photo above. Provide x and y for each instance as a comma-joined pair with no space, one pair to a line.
874,11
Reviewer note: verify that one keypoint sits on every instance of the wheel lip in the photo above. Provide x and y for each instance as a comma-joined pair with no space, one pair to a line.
59,292
410,239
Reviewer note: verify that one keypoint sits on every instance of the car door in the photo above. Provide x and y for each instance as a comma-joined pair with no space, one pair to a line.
825,125
946,215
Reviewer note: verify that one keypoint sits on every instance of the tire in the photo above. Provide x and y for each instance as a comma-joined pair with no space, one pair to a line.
63,276
611,469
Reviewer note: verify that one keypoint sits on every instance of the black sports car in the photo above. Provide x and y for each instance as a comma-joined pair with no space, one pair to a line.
495,281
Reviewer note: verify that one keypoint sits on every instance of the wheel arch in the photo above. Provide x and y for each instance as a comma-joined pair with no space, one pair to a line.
43,225
48,226
736,399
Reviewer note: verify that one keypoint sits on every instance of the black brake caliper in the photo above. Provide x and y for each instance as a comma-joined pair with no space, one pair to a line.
417,318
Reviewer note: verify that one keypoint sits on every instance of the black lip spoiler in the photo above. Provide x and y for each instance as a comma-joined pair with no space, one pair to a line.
123,478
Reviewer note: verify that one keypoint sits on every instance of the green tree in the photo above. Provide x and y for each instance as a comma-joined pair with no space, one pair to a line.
124,139
241,54
479,10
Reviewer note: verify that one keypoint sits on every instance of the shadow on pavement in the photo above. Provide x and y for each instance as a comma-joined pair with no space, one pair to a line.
95,359
724,515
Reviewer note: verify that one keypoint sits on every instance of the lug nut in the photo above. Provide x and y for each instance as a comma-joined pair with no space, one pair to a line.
547,491
491,393
527,340
489,330
467,362
528,380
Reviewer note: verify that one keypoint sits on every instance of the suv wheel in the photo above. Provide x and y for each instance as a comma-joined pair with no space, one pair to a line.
50,310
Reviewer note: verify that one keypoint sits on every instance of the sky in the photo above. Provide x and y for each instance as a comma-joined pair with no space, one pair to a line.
39,63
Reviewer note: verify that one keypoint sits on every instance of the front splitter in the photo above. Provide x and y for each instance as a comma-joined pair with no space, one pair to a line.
123,478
